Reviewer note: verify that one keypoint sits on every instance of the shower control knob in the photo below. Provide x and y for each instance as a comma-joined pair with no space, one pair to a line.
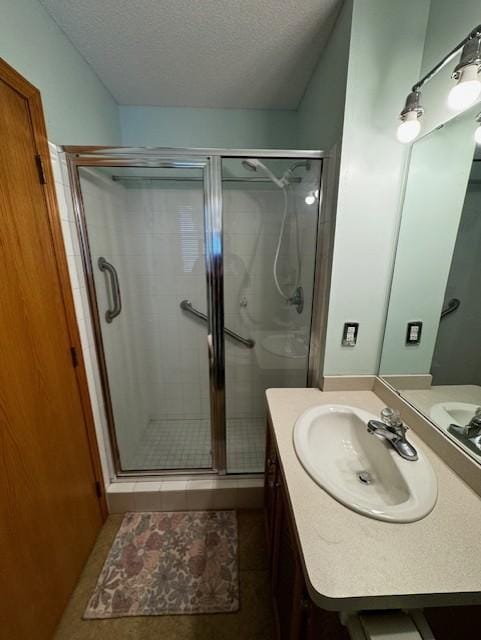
243,302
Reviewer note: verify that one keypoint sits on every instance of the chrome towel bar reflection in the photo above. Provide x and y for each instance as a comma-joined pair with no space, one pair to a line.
452,305
105,266
186,305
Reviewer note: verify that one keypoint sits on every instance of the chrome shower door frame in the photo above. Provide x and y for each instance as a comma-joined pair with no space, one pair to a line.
210,161
210,166
214,262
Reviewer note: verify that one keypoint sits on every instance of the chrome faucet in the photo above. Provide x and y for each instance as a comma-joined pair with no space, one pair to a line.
472,429
391,428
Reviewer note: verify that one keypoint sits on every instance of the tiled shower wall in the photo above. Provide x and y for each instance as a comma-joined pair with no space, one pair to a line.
170,227
77,280
253,306
113,236
166,267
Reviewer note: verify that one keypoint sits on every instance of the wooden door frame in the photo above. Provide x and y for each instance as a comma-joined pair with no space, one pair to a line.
32,96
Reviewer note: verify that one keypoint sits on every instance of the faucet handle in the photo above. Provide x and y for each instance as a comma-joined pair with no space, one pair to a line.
476,420
391,417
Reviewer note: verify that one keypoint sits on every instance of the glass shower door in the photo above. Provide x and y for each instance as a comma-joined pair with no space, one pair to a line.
270,214
146,239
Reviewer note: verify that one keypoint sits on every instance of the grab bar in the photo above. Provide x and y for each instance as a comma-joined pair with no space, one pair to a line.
186,305
452,305
105,266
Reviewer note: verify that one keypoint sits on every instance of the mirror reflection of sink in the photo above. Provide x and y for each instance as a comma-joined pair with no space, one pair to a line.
360,470
444,414
287,345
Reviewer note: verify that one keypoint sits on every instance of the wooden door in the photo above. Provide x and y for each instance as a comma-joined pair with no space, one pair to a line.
49,511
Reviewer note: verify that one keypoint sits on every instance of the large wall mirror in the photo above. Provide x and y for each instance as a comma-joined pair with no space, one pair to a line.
432,344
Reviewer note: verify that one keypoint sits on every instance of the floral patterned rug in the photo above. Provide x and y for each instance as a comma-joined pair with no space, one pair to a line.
168,563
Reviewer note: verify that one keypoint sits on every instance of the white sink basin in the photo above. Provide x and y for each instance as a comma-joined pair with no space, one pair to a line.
360,470
444,414
287,345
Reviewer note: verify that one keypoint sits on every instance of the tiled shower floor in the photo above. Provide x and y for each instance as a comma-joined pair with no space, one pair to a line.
182,444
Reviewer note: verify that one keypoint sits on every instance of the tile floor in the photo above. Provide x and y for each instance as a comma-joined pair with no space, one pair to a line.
246,441
254,620
183,444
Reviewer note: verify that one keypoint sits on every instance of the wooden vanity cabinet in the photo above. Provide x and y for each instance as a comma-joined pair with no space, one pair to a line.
271,484
297,617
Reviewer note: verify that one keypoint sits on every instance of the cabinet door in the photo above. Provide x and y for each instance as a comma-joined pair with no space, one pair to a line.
322,625
296,615
270,488
287,580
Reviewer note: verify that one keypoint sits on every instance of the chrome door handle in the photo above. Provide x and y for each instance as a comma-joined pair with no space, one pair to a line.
105,266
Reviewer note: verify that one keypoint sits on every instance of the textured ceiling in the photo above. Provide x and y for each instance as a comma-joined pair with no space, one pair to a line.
200,53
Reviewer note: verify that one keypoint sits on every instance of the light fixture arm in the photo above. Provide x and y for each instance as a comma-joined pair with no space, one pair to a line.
475,34
412,105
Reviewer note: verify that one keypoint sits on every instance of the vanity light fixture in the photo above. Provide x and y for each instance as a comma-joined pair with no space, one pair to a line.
461,96
477,133
410,125
468,87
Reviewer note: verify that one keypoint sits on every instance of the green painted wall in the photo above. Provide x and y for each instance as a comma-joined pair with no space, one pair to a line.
190,127
435,190
448,23
386,45
78,108
321,111
439,171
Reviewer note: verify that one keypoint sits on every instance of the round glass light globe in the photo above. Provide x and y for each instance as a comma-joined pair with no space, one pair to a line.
477,135
409,128
310,199
466,91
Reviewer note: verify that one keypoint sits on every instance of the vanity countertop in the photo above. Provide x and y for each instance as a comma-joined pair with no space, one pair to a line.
353,562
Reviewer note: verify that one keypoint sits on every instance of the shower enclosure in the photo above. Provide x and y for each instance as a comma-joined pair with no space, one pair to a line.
201,270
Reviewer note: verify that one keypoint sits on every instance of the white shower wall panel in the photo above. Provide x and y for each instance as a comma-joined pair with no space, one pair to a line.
253,306
171,270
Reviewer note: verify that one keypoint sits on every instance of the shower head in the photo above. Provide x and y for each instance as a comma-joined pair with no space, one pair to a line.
252,164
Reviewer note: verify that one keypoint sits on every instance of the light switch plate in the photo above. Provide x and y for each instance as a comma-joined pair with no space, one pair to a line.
413,333
349,334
